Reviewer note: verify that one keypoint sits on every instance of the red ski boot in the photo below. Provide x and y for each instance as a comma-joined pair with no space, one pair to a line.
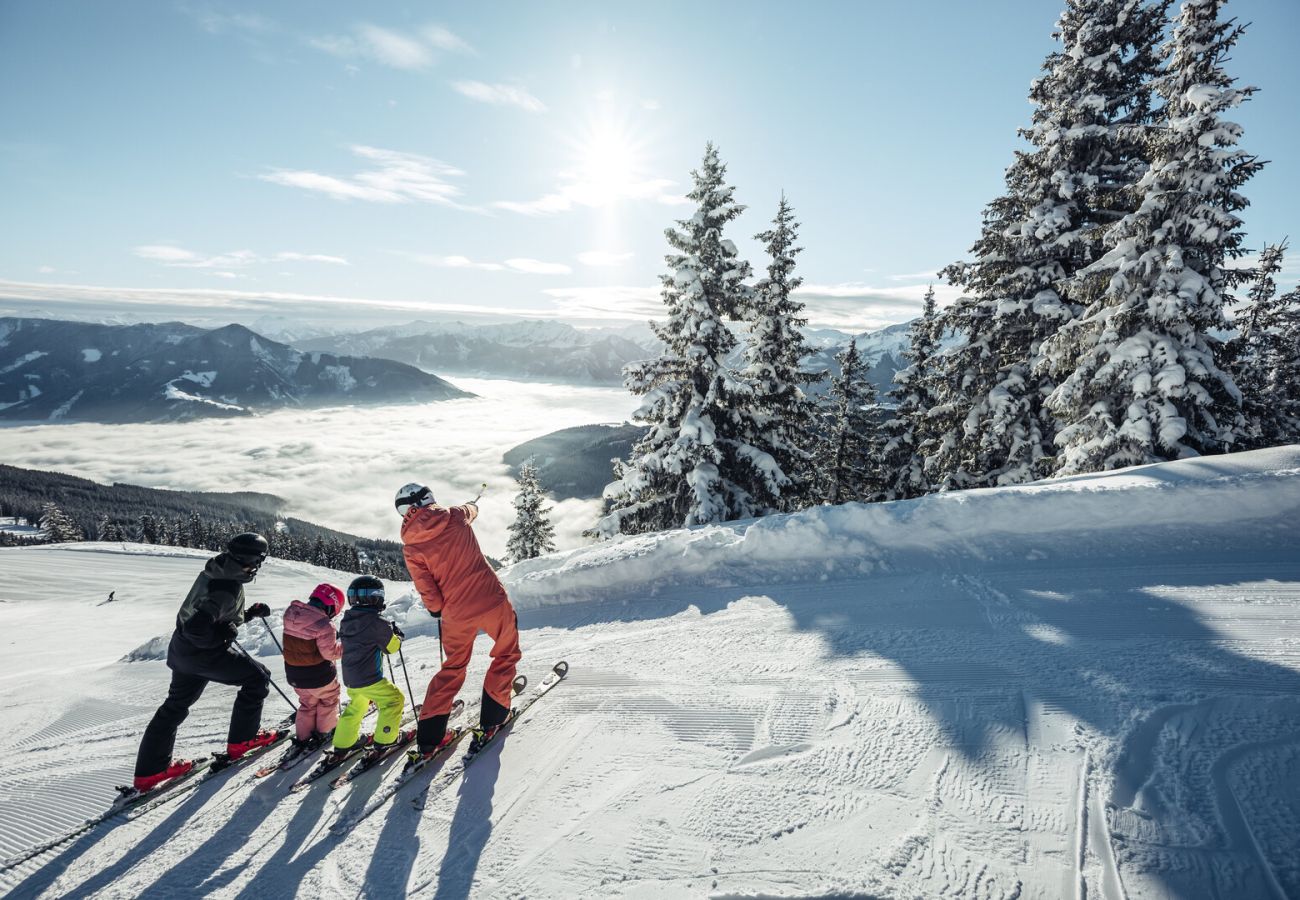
261,739
175,770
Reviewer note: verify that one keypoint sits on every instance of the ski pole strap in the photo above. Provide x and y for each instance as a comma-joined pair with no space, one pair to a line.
249,657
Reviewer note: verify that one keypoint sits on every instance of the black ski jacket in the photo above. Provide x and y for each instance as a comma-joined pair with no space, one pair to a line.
210,617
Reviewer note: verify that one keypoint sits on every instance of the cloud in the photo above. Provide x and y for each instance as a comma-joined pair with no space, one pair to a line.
499,95
396,178
291,453
932,275
311,257
47,270
170,255
575,192
214,22
856,307
537,267
651,104
603,258
518,264
391,48
627,302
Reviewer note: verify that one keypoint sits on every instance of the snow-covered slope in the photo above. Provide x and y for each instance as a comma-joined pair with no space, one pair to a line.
1087,687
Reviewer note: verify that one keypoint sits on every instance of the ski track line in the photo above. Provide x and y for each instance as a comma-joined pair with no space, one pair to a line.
1231,814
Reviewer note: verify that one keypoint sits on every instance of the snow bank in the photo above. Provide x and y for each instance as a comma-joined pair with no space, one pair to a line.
1197,502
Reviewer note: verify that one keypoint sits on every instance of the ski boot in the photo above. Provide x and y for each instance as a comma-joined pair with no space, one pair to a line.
144,783
261,739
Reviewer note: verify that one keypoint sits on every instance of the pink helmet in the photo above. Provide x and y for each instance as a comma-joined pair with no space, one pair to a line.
330,597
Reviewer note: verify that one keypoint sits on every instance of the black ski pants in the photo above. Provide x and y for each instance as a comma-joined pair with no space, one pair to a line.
190,675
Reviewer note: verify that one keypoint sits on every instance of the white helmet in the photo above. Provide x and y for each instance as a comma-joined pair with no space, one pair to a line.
412,496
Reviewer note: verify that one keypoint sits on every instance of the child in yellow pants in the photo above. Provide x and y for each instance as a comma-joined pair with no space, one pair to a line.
367,636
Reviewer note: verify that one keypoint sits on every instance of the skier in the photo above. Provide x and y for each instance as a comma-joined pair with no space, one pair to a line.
459,589
200,652
310,647
366,637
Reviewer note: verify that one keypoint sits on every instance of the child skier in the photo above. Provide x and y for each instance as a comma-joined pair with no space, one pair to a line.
310,647
366,637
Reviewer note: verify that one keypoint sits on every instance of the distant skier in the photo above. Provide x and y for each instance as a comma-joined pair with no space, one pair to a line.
310,647
111,596
200,652
459,588
366,637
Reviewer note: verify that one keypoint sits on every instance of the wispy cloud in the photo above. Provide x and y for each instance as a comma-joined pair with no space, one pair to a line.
397,50
517,264
216,22
396,178
603,258
499,95
932,275
537,267
854,306
179,257
626,302
580,192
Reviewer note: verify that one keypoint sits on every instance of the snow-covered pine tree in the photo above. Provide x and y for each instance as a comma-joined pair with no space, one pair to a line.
58,526
848,454
1023,286
695,465
908,436
774,352
1258,353
1145,380
531,533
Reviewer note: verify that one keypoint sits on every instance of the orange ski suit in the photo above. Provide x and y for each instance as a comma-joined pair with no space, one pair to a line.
455,580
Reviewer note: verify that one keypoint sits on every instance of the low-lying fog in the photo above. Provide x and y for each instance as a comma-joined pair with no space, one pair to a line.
340,467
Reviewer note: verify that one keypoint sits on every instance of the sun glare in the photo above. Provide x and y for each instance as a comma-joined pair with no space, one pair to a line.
609,165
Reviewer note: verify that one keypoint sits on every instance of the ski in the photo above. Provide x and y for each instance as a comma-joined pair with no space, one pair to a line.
292,757
131,804
371,760
417,761
482,741
326,765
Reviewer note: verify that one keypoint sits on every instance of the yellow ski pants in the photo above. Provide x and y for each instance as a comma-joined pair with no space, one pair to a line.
387,699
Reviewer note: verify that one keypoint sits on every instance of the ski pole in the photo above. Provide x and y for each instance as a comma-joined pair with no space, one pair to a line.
442,657
274,640
268,676
406,675
481,488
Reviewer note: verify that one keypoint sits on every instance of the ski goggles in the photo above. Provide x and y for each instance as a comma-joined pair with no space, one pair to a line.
249,561
366,593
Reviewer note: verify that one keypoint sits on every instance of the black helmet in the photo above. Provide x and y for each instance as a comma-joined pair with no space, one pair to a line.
366,590
249,548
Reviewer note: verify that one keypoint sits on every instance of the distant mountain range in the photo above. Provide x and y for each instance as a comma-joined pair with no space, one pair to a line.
529,349
54,370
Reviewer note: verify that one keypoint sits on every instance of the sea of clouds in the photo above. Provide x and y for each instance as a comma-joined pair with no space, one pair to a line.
340,467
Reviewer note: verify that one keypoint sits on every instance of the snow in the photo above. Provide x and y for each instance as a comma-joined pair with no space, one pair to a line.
1079,687
23,360
172,392
91,355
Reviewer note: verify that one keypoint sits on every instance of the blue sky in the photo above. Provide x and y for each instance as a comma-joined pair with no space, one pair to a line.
364,164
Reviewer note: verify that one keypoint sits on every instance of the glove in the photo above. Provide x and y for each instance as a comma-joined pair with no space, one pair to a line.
227,631
397,631
257,611
436,615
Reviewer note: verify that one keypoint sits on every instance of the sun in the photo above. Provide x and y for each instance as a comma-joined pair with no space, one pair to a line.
609,164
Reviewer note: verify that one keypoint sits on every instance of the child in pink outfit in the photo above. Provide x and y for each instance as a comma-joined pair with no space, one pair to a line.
310,647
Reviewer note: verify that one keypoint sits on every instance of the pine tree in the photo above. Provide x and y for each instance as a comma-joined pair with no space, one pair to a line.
1145,381
848,458
1259,352
58,526
531,534
1023,285
774,353
149,530
909,434
695,465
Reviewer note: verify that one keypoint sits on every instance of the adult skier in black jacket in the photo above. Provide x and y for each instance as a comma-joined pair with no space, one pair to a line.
200,652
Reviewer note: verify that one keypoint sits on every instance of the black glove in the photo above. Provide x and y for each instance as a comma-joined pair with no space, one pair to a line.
436,615
227,631
257,611
397,631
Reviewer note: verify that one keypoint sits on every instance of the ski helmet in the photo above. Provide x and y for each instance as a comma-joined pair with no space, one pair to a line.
412,496
366,590
249,548
330,597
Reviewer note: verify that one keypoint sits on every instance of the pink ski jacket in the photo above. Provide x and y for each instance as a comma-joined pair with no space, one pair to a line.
310,646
